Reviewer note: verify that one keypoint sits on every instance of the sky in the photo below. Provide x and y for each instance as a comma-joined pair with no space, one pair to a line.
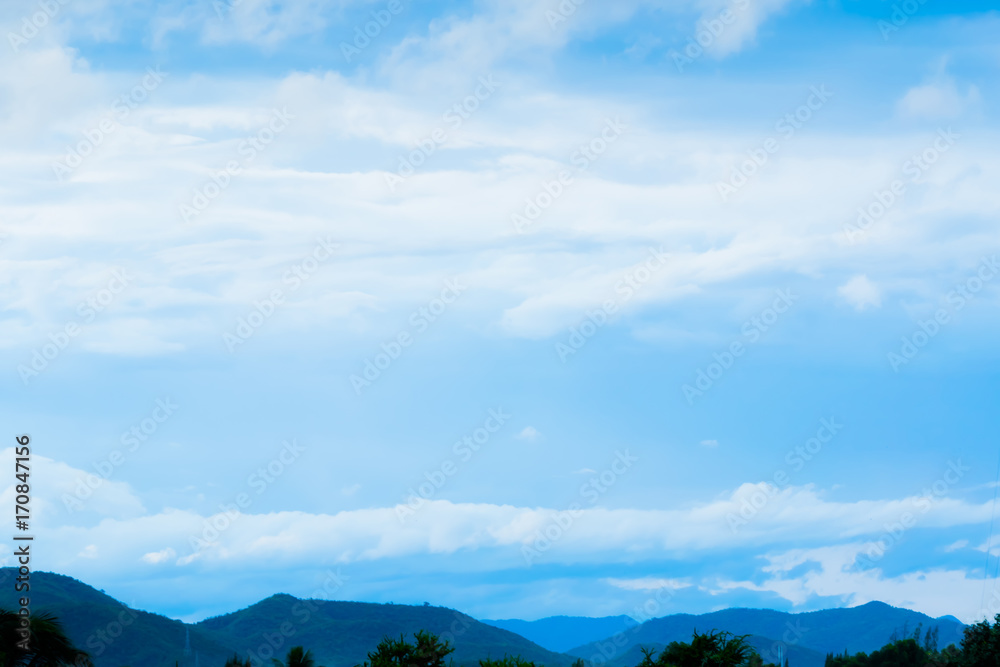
523,308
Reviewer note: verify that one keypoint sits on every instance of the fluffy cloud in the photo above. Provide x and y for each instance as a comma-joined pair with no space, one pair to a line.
831,573
861,293
939,99
648,584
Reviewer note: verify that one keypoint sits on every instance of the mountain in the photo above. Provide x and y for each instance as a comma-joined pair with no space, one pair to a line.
631,655
561,633
340,634
108,630
865,628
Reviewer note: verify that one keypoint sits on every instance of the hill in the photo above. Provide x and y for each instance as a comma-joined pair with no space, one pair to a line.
340,634
631,655
864,628
112,633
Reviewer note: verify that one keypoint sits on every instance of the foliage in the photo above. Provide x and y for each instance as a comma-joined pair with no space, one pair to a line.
48,644
980,648
514,661
236,662
297,657
898,653
981,644
429,651
713,649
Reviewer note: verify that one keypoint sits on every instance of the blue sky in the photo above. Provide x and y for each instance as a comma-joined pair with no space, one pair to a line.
719,318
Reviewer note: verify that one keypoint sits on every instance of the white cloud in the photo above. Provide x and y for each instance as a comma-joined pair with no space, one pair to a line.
442,527
709,443
194,283
933,592
861,293
939,99
162,556
956,546
63,493
729,37
528,433
648,584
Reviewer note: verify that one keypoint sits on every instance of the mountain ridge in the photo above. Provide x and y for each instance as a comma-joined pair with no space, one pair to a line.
342,633
861,628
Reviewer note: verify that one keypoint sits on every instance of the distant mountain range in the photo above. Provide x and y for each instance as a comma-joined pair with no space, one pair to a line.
562,633
340,634
805,638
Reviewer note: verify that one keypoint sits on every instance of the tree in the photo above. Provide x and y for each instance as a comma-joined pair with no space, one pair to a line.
931,640
981,644
429,651
236,662
515,661
297,657
714,649
47,645
904,653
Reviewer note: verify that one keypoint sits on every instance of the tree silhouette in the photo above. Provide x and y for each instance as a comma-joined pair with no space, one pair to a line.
429,651
714,649
47,643
513,661
981,644
297,657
